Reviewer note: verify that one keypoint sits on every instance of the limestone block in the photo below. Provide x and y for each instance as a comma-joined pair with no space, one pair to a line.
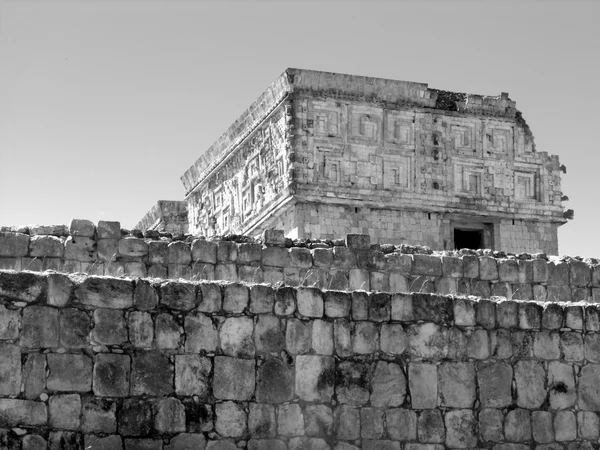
456,381
530,316
108,230
500,343
480,288
359,280
103,443
352,383
231,419
192,375
22,286
379,305
310,302
464,312
152,374
269,335
388,385
398,282
491,425
427,340
430,426
343,258
262,299
558,293
430,307
135,417
522,344
393,339
33,442
495,381
485,313
300,257
399,262
179,252
186,441
40,327
323,257
507,314
371,421
158,252
592,318
358,241
234,378
75,327
109,327
546,345
141,329
105,292
347,423
314,377
22,412
10,263
580,273
337,304
167,332
298,338
360,305
143,444
423,385
262,444
371,260
46,246
539,293
558,273
541,427
34,375
10,369
63,411
111,375
517,425
69,372
565,426
169,416
261,420
571,345
401,424
574,317
275,382
508,270
530,378
276,257
204,251
446,286
470,266
588,425
379,281
402,307
301,443
452,266
322,337
179,272
236,337
460,429
552,316
248,253
561,384
226,272
366,338
80,248
203,271
82,227
209,297
342,336
592,347
14,244
428,265
488,268
98,415
199,415
10,322
178,295
318,420
290,421
132,247
540,270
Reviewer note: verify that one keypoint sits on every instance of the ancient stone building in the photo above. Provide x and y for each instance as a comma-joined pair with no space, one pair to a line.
323,154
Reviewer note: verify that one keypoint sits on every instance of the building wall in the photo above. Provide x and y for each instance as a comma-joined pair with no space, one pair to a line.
112,363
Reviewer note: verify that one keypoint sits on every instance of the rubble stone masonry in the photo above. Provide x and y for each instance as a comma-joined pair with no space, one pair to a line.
118,363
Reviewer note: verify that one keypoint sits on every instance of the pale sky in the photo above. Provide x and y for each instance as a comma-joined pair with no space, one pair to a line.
105,104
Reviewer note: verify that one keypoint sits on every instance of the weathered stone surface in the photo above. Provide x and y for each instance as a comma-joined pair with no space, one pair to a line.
40,327
141,329
236,337
491,425
186,441
315,377
347,422
106,292
178,295
290,421
109,327
210,293
45,247
588,425
169,416
546,345
352,383
34,375
10,369
79,248
151,373
589,388
371,420
423,385
456,382
275,382
393,339
166,331
401,424
269,337
231,419
234,379
22,286
565,426
530,379
98,416
69,372
517,425
192,375
388,385
33,442
261,420
14,244
309,302
262,299
103,443
111,375
460,429
201,333
541,427
318,420
427,340
63,411
15,412
430,427
366,338
495,381
235,297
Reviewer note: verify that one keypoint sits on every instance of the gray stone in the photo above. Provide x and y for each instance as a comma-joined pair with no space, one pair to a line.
103,443
186,441
235,297
34,375
290,420
169,416
393,339
388,385
99,416
430,427
75,327
64,411
310,302
178,295
33,442
234,379
352,383
423,385
236,337
546,345
314,377
322,337
69,372
530,379
571,344
111,375
371,420
495,380
10,369
201,333
285,301
427,340
589,388
40,327
347,423
15,412
135,417
145,296
460,429
166,331
565,426
192,374
275,383
298,336
541,427
231,419
261,420
141,329
262,299
366,338
109,327
318,421
152,374
456,381
517,425
491,425
337,304
561,385
269,335
588,425
105,292
401,424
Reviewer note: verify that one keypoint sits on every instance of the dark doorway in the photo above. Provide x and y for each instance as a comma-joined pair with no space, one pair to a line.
472,239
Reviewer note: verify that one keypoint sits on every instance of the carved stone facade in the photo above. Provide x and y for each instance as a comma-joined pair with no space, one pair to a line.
322,154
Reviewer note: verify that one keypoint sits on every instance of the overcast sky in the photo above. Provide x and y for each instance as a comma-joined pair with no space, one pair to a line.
104,105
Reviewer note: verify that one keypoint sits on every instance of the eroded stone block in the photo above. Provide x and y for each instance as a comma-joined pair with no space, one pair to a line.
315,377
234,379
69,372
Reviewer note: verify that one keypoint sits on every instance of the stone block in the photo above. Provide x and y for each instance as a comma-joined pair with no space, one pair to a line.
143,444
201,333
22,286
460,429
588,425
393,339
82,227
322,337
546,345
379,306
342,336
402,307
495,381
398,282
310,302
371,420
517,425
179,272
178,295
323,257
14,244
433,308
134,417
111,375
488,268
262,299
347,423
249,253
401,424
539,293
574,317
179,252
558,293
261,420
34,375
275,382
104,292
552,316
80,248
204,251
541,427
430,426
32,442
561,385
507,314
98,416
388,385
264,444
132,247
530,379
318,420
192,374
103,443
10,263
300,257
456,381
269,334
10,322
580,273
359,280
108,249
152,374
470,266
169,416
571,345
69,372
290,420
276,257
464,312
298,336
565,426
530,316
40,327
64,411
592,318
109,327
592,347
360,305
540,270
508,270
199,416
491,425
558,273
186,441
371,260
446,286
400,263
314,377
485,313
501,343
358,241
423,385
427,340
337,304
428,265
141,329
167,332
452,266
366,338
235,297
108,230
158,252
75,327
45,246
209,297
14,412
234,379
226,272
231,420
203,271
10,369
352,383
236,335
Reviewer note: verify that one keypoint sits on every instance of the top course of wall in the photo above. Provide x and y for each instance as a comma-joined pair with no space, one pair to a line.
350,264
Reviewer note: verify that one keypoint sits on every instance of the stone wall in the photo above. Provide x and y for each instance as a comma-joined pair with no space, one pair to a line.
353,264
108,363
